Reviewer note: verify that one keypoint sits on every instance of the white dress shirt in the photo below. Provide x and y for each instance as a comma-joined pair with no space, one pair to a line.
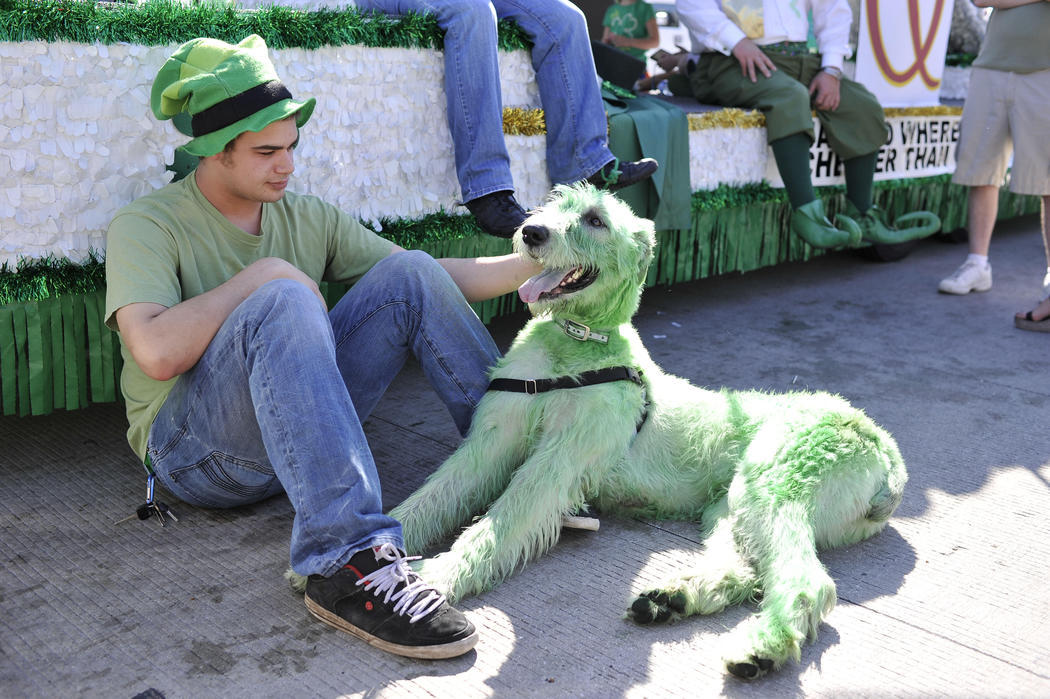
784,20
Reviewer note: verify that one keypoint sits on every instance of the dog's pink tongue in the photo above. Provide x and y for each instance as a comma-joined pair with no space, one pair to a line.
530,291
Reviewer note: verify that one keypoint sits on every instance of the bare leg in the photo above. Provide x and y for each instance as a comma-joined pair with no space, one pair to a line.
975,274
1042,309
1045,220
1040,312
983,208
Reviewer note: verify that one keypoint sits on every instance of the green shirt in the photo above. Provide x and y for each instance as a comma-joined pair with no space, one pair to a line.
1017,40
629,21
172,245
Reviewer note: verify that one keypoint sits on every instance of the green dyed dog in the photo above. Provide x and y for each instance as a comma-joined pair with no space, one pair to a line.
771,477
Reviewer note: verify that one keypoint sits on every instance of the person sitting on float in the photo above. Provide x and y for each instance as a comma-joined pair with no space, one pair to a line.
761,60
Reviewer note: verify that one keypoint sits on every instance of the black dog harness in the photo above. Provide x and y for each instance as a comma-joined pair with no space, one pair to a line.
581,332
587,378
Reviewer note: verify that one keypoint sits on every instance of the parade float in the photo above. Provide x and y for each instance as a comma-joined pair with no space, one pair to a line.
77,142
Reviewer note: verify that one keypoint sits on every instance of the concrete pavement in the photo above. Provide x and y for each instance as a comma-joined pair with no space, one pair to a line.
950,600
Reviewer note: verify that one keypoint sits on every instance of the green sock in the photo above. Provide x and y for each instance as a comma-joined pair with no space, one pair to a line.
860,172
792,156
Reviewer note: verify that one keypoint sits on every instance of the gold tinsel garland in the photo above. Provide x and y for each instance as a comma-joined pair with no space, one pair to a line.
518,121
729,118
940,110
523,122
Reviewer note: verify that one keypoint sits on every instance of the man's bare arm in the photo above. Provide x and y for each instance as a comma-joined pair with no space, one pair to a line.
166,342
481,278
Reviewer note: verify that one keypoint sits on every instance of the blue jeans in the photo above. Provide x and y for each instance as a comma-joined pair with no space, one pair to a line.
277,400
577,141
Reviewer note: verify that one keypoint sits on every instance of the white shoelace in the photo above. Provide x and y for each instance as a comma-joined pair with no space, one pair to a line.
965,268
416,599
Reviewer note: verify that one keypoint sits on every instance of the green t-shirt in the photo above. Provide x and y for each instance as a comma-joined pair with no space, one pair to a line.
1017,40
172,245
629,21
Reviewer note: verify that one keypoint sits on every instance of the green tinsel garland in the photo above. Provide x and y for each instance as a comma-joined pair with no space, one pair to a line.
49,277
443,233
732,196
163,22
55,351
430,229
960,60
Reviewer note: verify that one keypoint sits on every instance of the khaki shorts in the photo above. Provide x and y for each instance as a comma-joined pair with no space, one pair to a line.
1005,114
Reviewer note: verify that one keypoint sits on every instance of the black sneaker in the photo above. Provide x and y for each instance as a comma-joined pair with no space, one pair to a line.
498,213
377,597
616,175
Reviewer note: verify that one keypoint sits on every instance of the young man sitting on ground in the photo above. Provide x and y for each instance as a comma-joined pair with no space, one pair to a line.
241,384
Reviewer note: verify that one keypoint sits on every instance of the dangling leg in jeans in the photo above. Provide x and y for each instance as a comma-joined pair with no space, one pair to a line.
577,138
473,100
277,400
574,113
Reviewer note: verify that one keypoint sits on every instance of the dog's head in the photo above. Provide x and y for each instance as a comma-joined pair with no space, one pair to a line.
595,253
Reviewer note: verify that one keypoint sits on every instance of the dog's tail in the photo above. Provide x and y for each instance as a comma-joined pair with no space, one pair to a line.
885,501
890,491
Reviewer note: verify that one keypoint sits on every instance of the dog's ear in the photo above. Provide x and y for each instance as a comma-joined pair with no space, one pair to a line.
645,237
558,191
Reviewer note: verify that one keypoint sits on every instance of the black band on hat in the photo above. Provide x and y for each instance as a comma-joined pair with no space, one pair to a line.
233,109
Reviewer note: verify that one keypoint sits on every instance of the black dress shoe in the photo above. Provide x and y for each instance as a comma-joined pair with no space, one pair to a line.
616,175
497,213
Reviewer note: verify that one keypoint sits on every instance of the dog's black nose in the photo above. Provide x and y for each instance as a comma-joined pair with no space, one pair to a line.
534,235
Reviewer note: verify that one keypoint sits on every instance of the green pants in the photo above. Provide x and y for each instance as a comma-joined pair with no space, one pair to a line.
858,127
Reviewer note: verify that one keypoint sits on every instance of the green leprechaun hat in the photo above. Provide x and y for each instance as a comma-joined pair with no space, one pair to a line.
225,90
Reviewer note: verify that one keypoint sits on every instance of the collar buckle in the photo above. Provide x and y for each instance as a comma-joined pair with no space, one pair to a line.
577,331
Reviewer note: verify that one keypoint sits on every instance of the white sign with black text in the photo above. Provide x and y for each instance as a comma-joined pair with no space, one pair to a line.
918,146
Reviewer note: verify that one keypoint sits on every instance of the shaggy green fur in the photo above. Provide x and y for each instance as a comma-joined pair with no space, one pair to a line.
772,477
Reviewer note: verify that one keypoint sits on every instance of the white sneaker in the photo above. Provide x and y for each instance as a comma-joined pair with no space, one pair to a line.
971,276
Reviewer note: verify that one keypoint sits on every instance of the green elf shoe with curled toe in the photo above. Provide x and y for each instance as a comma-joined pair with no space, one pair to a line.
872,222
810,222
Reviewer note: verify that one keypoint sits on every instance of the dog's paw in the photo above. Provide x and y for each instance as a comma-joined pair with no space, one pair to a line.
296,581
759,646
749,669
657,606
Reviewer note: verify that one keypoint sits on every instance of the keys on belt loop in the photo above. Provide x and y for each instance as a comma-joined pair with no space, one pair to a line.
152,507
